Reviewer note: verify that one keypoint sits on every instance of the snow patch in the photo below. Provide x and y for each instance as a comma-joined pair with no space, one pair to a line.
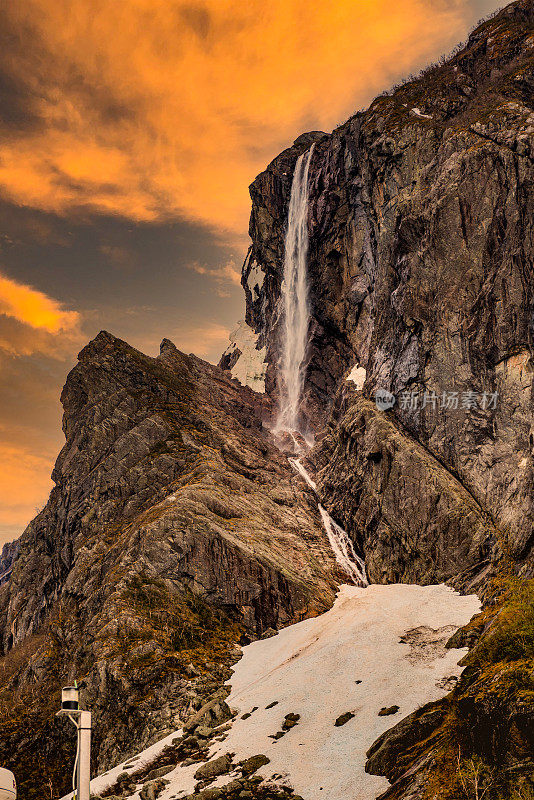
349,659
416,112
250,367
357,375
107,779
255,279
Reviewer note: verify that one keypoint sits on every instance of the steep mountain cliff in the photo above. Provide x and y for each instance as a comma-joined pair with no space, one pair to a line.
420,268
177,529
174,527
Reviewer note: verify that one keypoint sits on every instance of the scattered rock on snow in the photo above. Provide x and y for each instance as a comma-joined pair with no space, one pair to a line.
219,766
253,763
290,721
343,719
386,712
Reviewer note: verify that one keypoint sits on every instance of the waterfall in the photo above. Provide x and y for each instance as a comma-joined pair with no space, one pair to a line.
341,545
290,375
295,302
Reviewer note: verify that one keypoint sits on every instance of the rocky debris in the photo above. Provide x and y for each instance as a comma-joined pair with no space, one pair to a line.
219,766
343,719
253,764
271,705
152,790
290,720
386,712
249,713
247,787
211,714
159,772
426,644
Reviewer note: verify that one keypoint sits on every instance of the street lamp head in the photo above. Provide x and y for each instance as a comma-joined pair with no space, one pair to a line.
70,698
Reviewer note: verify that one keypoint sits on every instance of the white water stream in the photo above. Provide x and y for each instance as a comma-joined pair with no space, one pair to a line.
295,302
341,545
294,343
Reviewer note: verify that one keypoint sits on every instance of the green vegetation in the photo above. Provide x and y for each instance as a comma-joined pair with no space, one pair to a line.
485,746
176,620
510,634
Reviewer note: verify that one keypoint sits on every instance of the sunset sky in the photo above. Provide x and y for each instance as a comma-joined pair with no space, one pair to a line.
129,133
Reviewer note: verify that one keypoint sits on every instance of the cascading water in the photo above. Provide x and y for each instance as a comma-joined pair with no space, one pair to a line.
341,545
296,321
295,303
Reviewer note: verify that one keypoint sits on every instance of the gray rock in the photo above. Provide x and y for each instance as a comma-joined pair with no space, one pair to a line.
253,764
419,271
160,772
219,766
343,719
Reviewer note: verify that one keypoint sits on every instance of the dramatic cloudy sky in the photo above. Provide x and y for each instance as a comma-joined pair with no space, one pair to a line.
129,132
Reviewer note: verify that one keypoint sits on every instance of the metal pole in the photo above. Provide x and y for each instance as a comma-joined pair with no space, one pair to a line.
84,759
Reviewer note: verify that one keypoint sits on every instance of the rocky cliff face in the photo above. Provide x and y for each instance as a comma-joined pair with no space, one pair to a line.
7,557
174,527
420,270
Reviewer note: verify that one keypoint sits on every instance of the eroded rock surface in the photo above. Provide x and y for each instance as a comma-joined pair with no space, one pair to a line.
174,526
420,269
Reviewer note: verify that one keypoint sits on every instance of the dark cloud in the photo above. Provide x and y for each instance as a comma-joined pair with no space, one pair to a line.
197,17
18,97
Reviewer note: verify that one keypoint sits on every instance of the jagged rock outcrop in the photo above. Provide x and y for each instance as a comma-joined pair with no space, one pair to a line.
7,557
420,268
174,526
415,521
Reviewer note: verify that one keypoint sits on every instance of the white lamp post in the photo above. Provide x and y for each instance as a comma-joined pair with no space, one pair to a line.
8,785
70,707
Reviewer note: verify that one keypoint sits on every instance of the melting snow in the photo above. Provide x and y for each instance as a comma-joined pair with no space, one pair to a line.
314,669
255,278
416,112
250,367
357,375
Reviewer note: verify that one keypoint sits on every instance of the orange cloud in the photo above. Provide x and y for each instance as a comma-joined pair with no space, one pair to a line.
32,322
24,484
226,274
34,308
153,109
